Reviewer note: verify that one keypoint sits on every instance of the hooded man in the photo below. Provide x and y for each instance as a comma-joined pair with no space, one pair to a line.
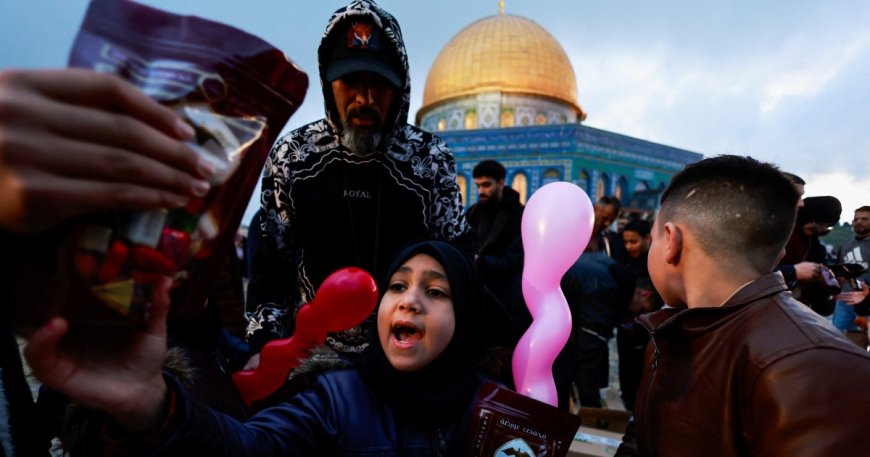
353,188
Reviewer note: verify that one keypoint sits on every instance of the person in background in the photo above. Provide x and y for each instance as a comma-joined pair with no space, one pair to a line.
804,249
631,338
735,363
595,297
855,251
636,238
60,150
352,188
497,220
594,354
603,239
797,269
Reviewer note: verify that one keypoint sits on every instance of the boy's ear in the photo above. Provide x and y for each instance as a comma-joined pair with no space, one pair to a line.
779,257
674,238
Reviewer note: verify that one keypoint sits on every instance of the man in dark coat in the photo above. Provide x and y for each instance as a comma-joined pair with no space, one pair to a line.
814,220
496,219
352,188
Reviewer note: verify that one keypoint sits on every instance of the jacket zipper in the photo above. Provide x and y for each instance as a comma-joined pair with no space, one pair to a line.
655,366
441,445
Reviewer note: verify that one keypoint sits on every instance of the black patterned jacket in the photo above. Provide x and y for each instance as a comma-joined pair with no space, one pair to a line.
324,207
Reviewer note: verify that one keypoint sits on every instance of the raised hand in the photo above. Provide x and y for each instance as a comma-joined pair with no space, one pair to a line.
855,297
75,141
123,379
808,271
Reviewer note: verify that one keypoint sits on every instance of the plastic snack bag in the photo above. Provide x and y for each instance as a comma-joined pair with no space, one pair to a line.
237,92
507,423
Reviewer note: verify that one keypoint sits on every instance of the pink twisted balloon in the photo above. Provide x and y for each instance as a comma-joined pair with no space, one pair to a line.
556,227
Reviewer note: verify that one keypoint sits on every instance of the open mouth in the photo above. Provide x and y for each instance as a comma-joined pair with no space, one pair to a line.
404,331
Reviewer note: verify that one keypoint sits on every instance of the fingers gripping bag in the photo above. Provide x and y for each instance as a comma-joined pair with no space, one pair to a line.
237,92
505,423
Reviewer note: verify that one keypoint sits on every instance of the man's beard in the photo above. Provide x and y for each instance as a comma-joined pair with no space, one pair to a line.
361,141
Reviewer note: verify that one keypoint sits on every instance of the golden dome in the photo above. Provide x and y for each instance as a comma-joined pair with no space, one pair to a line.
502,53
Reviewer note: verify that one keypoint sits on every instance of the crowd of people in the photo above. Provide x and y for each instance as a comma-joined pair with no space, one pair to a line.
718,305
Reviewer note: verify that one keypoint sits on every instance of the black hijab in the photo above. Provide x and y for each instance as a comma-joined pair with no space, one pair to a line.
442,391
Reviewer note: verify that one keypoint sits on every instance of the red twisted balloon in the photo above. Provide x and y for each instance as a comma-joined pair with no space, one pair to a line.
344,300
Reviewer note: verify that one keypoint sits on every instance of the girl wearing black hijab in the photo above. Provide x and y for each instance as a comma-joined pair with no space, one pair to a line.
411,394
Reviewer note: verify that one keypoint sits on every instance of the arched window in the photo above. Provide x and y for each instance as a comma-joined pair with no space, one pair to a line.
552,175
471,120
601,187
507,118
442,124
463,188
520,184
621,186
540,119
640,185
583,180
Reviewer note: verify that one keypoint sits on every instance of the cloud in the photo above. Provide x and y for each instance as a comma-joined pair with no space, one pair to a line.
622,89
804,68
794,103
628,89
852,193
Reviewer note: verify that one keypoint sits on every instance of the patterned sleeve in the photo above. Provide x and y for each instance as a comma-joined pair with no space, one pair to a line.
270,295
447,214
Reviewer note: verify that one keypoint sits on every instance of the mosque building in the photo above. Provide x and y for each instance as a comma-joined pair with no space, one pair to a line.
504,89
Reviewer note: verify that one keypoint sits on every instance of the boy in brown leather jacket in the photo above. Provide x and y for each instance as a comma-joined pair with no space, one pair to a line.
735,365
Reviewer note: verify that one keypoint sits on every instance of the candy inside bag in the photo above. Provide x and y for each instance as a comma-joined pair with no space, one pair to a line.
237,92
123,258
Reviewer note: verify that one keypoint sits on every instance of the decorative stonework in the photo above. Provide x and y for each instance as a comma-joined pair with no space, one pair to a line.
490,108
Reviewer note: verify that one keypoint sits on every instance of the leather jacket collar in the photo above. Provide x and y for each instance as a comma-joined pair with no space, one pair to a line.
765,286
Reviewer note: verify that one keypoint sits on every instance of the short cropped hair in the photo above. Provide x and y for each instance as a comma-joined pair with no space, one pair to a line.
740,210
611,200
490,169
863,209
795,178
639,226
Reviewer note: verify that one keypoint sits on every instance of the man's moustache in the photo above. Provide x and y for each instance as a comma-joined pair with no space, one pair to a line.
364,113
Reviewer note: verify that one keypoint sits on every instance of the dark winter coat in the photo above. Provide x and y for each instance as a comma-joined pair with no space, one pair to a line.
499,248
324,207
